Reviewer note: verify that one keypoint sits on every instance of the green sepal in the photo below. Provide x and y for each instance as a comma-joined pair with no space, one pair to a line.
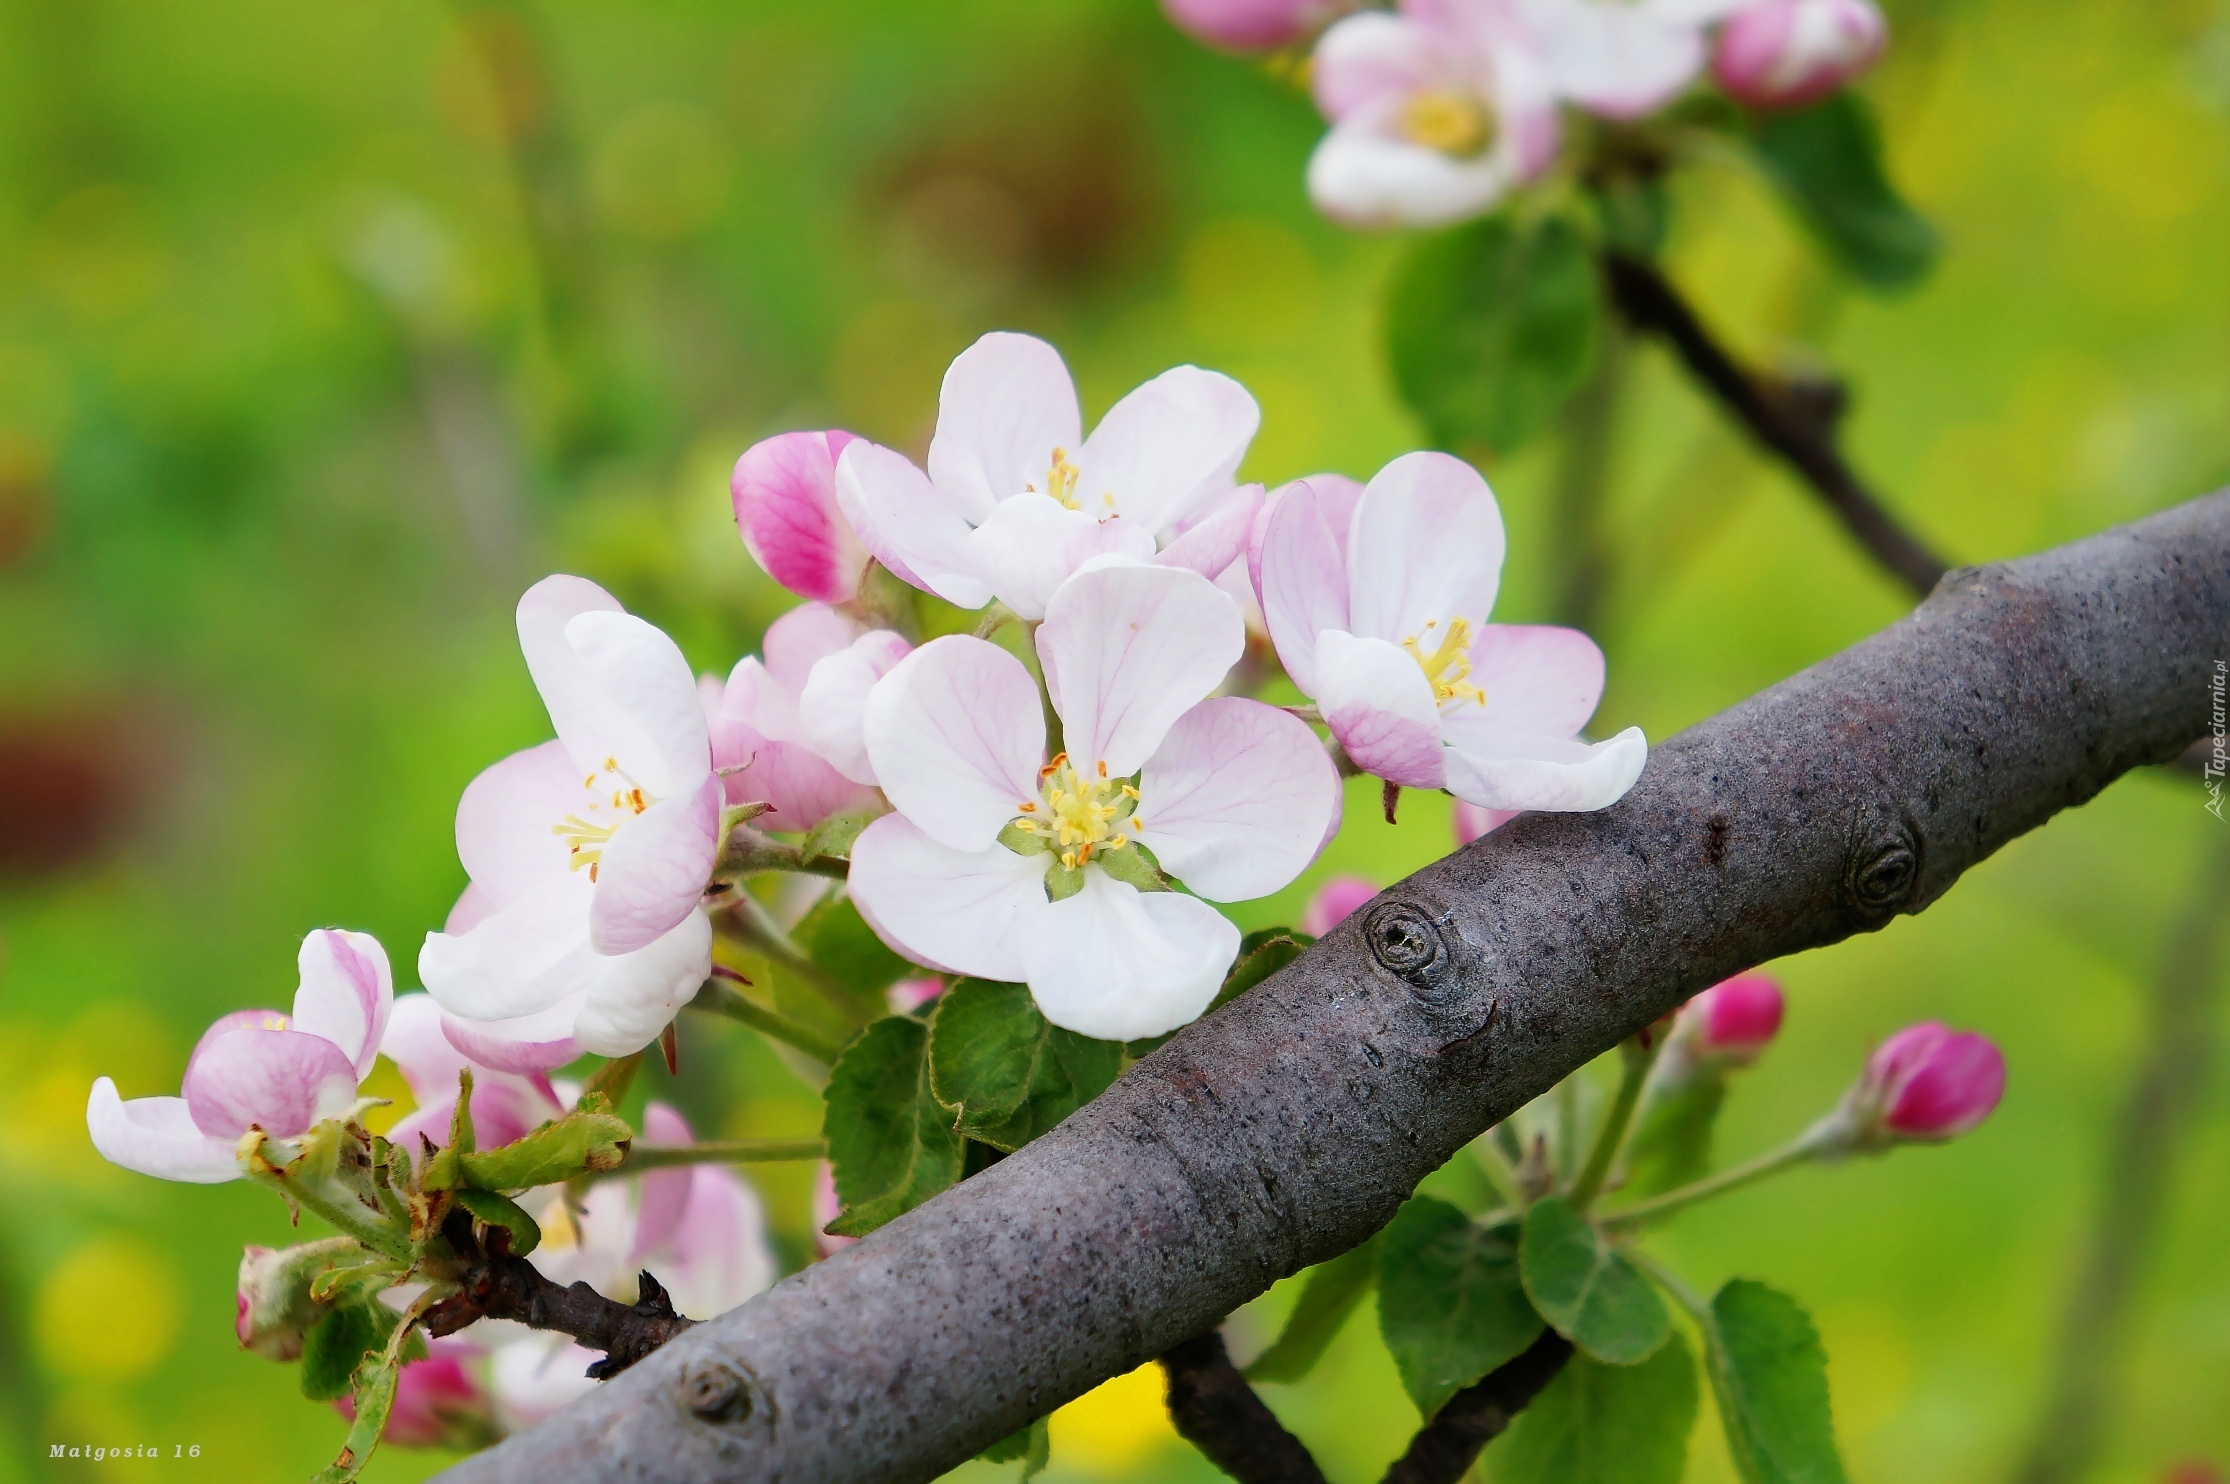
1606,1424
1332,1293
1134,865
375,1398
460,1117
833,837
590,1140
891,1145
500,1210
1022,840
1450,1303
1063,882
1671,1145
1006,1072
1587,1289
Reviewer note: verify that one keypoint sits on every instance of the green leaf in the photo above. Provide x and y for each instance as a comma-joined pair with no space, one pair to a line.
1769,1376
375,1398
1007,1072
1450,1304
1827,162
1333,1290
1033,1446
832,838
1672,1139
839,941
1605,1424
1261,953
1583,1286
589,1140
336,1346
1491,327
501,1210
892,1147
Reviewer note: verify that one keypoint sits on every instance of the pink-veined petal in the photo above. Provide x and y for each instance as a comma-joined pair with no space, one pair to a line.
799,640
1371,59
1166,448
1301,574
241,1020
784,491
1334,902
1426,548
507,825
719,1253
1127,650
1032,543
1119,964
1537,678
662,1195
282,1081
1238,800
646,681
633,996
1007,403
1215,542
955,734
346,994
1379,705
1336,498
415,1044
910,524
474,905
521,961
804,787
530,1044
156,1136
654,871
1249,25
1365,173
1500,769
832,708
959,911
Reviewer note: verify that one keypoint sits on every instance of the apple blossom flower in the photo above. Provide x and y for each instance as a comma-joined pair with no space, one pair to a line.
1620,58
440,1401
1437,111
790,724
588,855
1016,499
259,1068
1333,902
1387,630
506,1106
1001,864
784,489
1252,25
1787,53
1926,1084
1471,821
699,1229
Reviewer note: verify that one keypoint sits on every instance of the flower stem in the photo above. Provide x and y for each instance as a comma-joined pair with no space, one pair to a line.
1772,1162
1500,1173
1635,1059
758,931
357,1223
718,998
1673,1284
720,1151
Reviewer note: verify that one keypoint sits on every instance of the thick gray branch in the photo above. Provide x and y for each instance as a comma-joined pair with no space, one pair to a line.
1289,1126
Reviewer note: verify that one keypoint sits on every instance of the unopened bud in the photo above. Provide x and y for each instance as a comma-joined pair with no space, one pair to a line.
272,1309
1733,1022
1787,53
1926,1084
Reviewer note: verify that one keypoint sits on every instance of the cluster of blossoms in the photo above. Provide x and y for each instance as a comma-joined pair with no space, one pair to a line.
1440,107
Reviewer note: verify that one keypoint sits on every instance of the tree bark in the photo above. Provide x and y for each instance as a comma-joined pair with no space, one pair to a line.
1215,1410
1292,1124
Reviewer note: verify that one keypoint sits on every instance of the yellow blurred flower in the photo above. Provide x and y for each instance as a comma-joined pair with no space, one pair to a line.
1113,1428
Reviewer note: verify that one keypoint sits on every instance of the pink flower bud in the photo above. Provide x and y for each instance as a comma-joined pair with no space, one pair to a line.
905,997
1733,1021
1333,901
1473,820
272,1307
785,498
1787,53
439,1403
1251,25
1926,1084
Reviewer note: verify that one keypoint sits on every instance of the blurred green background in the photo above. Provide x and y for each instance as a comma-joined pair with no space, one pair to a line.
324,329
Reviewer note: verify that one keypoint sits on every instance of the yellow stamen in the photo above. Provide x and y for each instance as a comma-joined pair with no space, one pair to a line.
1446,666
1447,121
559,1232
1060,479
1082,812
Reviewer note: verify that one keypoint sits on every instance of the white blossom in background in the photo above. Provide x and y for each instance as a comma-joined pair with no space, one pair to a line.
1233,798
1379,611
588,855
786,729
1787,53
265,1068
1618,58
1016,498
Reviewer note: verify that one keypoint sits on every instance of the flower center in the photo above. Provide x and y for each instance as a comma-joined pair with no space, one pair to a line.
1447,121
610,805
1080,812
1447,665
1060,482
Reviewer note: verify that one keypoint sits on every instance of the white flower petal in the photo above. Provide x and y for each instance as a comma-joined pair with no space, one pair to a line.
650,685
1379,705
506,825
1213,543
719,1254
1238,800
1120,964
1616,58
960,911
801,639
520,961
346,994
832,708
1167,448
1127,650
1032,544
1301,574
1426,547
1366,174
1006,404
1368,60
912,527
415,1044
155,1136
955,733
579,709
1537,678
633,996
653,873
1501,770
541,1042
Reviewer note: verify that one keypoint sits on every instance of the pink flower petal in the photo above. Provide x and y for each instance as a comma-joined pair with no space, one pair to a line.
506,825
282,1081
1031,544
719,1255
1427,548
1119,964
662,1196
631,997
799,640
424,1055
956,735
1214,542
832,708
530,1044
1007,403
1372,58
1336,497
1788,53
346,995
784,490
958,911
913,527
1248,25
1128,650
156,1136
1379,706
1472,821
1238,800
1537,678
1300,571
654,871
1166,448
649,694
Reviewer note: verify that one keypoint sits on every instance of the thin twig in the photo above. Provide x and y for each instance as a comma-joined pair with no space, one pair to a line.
501,1286
1446,1447
1217,1412
719,998
1792,419
642,1157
